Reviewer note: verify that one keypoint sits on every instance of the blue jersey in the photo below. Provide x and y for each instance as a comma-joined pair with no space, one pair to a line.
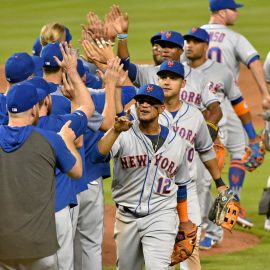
65,194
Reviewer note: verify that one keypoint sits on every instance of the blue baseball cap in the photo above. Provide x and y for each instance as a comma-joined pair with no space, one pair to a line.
151,90
80,67
39,62
173,67
171,37
216,5
48,52
198,33
43,88
21,97
36,49
19,67
68,35
156,37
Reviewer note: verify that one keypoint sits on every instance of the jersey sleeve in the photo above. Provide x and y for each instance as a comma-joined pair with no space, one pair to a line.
244,50
208,96
64,158
146,74
266,68
78,122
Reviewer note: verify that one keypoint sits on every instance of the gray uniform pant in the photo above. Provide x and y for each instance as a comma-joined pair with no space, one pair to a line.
148,239
65,239
88,221
46,263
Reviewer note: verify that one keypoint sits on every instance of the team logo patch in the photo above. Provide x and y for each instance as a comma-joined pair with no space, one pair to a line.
194,29
149,88
168,34
170,63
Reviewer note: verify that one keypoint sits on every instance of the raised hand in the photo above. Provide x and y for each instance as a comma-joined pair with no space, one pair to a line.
67,88
122,123
69,62
67,133
113,72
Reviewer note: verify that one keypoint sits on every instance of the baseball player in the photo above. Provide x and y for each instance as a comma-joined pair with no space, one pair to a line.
223,84
31,155
231,48
149,165
267,123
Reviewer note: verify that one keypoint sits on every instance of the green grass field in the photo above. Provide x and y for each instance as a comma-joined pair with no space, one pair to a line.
21,22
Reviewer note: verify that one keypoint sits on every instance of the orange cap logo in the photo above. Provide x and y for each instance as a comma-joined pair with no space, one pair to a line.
194,29
149,88
170,63
168,34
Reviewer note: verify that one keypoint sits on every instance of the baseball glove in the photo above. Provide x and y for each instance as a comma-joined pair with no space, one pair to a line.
213,130
184,245
220,155
225,210
254,155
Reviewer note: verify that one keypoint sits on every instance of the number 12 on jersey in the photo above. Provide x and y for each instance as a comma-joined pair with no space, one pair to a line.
164,185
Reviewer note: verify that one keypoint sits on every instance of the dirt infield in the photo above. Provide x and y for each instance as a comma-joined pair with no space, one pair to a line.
240,240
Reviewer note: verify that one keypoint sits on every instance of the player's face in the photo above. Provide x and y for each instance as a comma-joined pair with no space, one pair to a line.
171,85
156,51
195,49
170,52
148,109
231,16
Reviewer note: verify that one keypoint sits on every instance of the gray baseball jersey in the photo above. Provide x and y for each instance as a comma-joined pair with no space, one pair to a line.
266,68
195,92
146,181
229,47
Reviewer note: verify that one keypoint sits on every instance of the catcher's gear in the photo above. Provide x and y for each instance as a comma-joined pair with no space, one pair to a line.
184,245
213,130
254,155
220,155
225,209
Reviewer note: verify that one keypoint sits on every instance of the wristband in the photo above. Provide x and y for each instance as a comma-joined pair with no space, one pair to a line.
122,36
219,183
250,130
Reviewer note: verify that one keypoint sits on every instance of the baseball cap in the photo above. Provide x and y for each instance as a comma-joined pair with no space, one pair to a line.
68,35
155,37
48,52
21,97
198,33
19,67
171,37
216,5
36,49
80,67
43,88
172,66
150,90
39,62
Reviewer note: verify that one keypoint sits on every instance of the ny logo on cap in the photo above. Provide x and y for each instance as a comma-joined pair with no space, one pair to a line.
149,88
168,34
170,63
194,29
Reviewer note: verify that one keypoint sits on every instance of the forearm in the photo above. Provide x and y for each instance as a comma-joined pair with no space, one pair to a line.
76,171
214,113
118,100
109,111
182,210
122,50
106,142
82,96
258,74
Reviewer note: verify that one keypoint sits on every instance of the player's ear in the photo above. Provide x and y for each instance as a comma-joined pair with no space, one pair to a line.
183,83
161,108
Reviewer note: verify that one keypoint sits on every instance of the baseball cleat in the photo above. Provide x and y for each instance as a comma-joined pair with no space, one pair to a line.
267,224
243,221
206,243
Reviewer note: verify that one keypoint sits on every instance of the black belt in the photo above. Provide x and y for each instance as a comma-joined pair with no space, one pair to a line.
127,210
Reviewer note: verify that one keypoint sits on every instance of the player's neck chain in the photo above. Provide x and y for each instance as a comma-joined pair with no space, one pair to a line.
155,145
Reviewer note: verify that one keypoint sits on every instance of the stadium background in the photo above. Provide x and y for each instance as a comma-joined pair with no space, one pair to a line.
21,21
